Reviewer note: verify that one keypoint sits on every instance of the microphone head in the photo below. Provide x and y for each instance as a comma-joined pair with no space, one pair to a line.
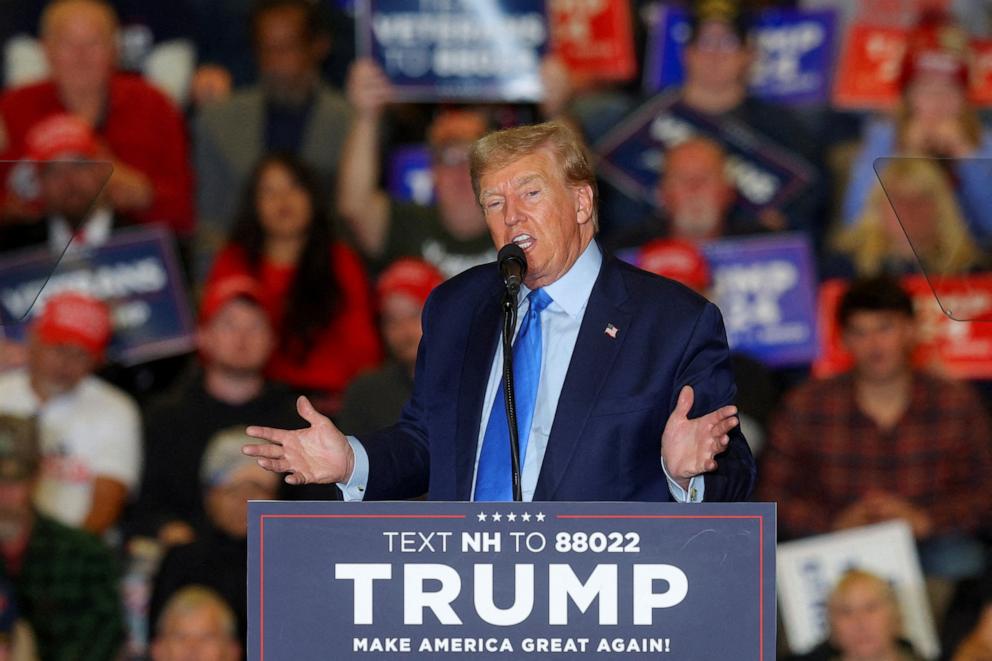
512,251
512,265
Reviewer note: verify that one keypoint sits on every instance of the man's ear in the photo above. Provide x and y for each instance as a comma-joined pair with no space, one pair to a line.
583,203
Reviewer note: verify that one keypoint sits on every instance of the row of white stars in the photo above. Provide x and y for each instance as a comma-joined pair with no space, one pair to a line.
511,516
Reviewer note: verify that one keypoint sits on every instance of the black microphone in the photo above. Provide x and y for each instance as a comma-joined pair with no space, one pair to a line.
512,266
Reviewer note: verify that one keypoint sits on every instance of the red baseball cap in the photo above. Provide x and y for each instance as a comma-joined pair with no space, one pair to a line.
679,260
75,318
219,293
937,46
61,136
413,277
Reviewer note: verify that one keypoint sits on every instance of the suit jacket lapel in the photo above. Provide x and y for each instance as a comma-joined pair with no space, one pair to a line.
592,359
480,349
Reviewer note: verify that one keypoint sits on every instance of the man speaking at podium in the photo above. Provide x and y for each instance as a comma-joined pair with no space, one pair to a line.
623,387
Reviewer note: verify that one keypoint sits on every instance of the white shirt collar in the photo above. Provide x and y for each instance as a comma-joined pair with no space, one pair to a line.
571,291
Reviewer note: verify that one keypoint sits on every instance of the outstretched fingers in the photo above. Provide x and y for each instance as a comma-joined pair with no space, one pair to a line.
270,434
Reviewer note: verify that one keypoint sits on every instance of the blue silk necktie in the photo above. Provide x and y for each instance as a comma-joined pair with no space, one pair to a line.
493,481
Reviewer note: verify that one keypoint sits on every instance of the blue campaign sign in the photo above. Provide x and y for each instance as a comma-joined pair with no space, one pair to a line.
410,177
663,56
433,50
765,174
794,54
766,289
136,272
332,580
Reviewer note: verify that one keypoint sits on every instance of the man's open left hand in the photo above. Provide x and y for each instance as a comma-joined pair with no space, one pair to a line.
689,446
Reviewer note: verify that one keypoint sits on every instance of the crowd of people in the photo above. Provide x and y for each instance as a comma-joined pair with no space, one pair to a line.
259,141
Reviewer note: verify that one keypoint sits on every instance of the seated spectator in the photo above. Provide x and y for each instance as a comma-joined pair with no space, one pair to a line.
864,621
196,625
452,235
65,580
235,340
63,157
90,430
155,41
911,220
695,198
142,133
289,110
219,558
314,287
934,120
884,441
375,399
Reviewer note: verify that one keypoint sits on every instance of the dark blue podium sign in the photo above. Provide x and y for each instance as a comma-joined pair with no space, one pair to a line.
332,580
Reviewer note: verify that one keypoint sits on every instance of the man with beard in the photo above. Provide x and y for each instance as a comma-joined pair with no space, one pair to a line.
289,110
695,196
90,430
65,580
64,163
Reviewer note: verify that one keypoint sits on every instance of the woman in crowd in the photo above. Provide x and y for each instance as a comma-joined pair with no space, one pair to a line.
316,289
865,623
934,121
914,200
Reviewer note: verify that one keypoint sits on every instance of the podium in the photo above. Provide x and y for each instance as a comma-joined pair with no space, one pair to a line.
438,580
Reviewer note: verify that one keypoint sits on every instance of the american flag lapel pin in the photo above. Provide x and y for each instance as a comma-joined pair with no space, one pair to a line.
612,331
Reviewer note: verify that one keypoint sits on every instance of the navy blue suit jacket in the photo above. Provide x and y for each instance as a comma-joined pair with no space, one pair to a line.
618,393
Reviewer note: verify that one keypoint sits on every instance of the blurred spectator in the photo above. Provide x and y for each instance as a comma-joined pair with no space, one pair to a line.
684,262
912,220
374,399
289,110
314,287
155,40
235,339
695,197
219,558
452,235
224,46
716,62
934,121
196,625
90,430
62,155
884,441
65,580
865,623
143,134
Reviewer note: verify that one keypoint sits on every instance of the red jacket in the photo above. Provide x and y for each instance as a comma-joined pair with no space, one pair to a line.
141,128
347,346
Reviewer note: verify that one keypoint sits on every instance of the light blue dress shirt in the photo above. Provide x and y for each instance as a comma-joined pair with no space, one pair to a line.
560,324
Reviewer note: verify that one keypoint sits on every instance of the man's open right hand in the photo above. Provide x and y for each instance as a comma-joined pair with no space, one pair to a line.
318,454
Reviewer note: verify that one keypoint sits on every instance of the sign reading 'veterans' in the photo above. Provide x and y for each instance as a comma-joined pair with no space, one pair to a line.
136,272
435,50
517,580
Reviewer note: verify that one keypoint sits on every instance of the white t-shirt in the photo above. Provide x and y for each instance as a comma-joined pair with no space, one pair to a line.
94,430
